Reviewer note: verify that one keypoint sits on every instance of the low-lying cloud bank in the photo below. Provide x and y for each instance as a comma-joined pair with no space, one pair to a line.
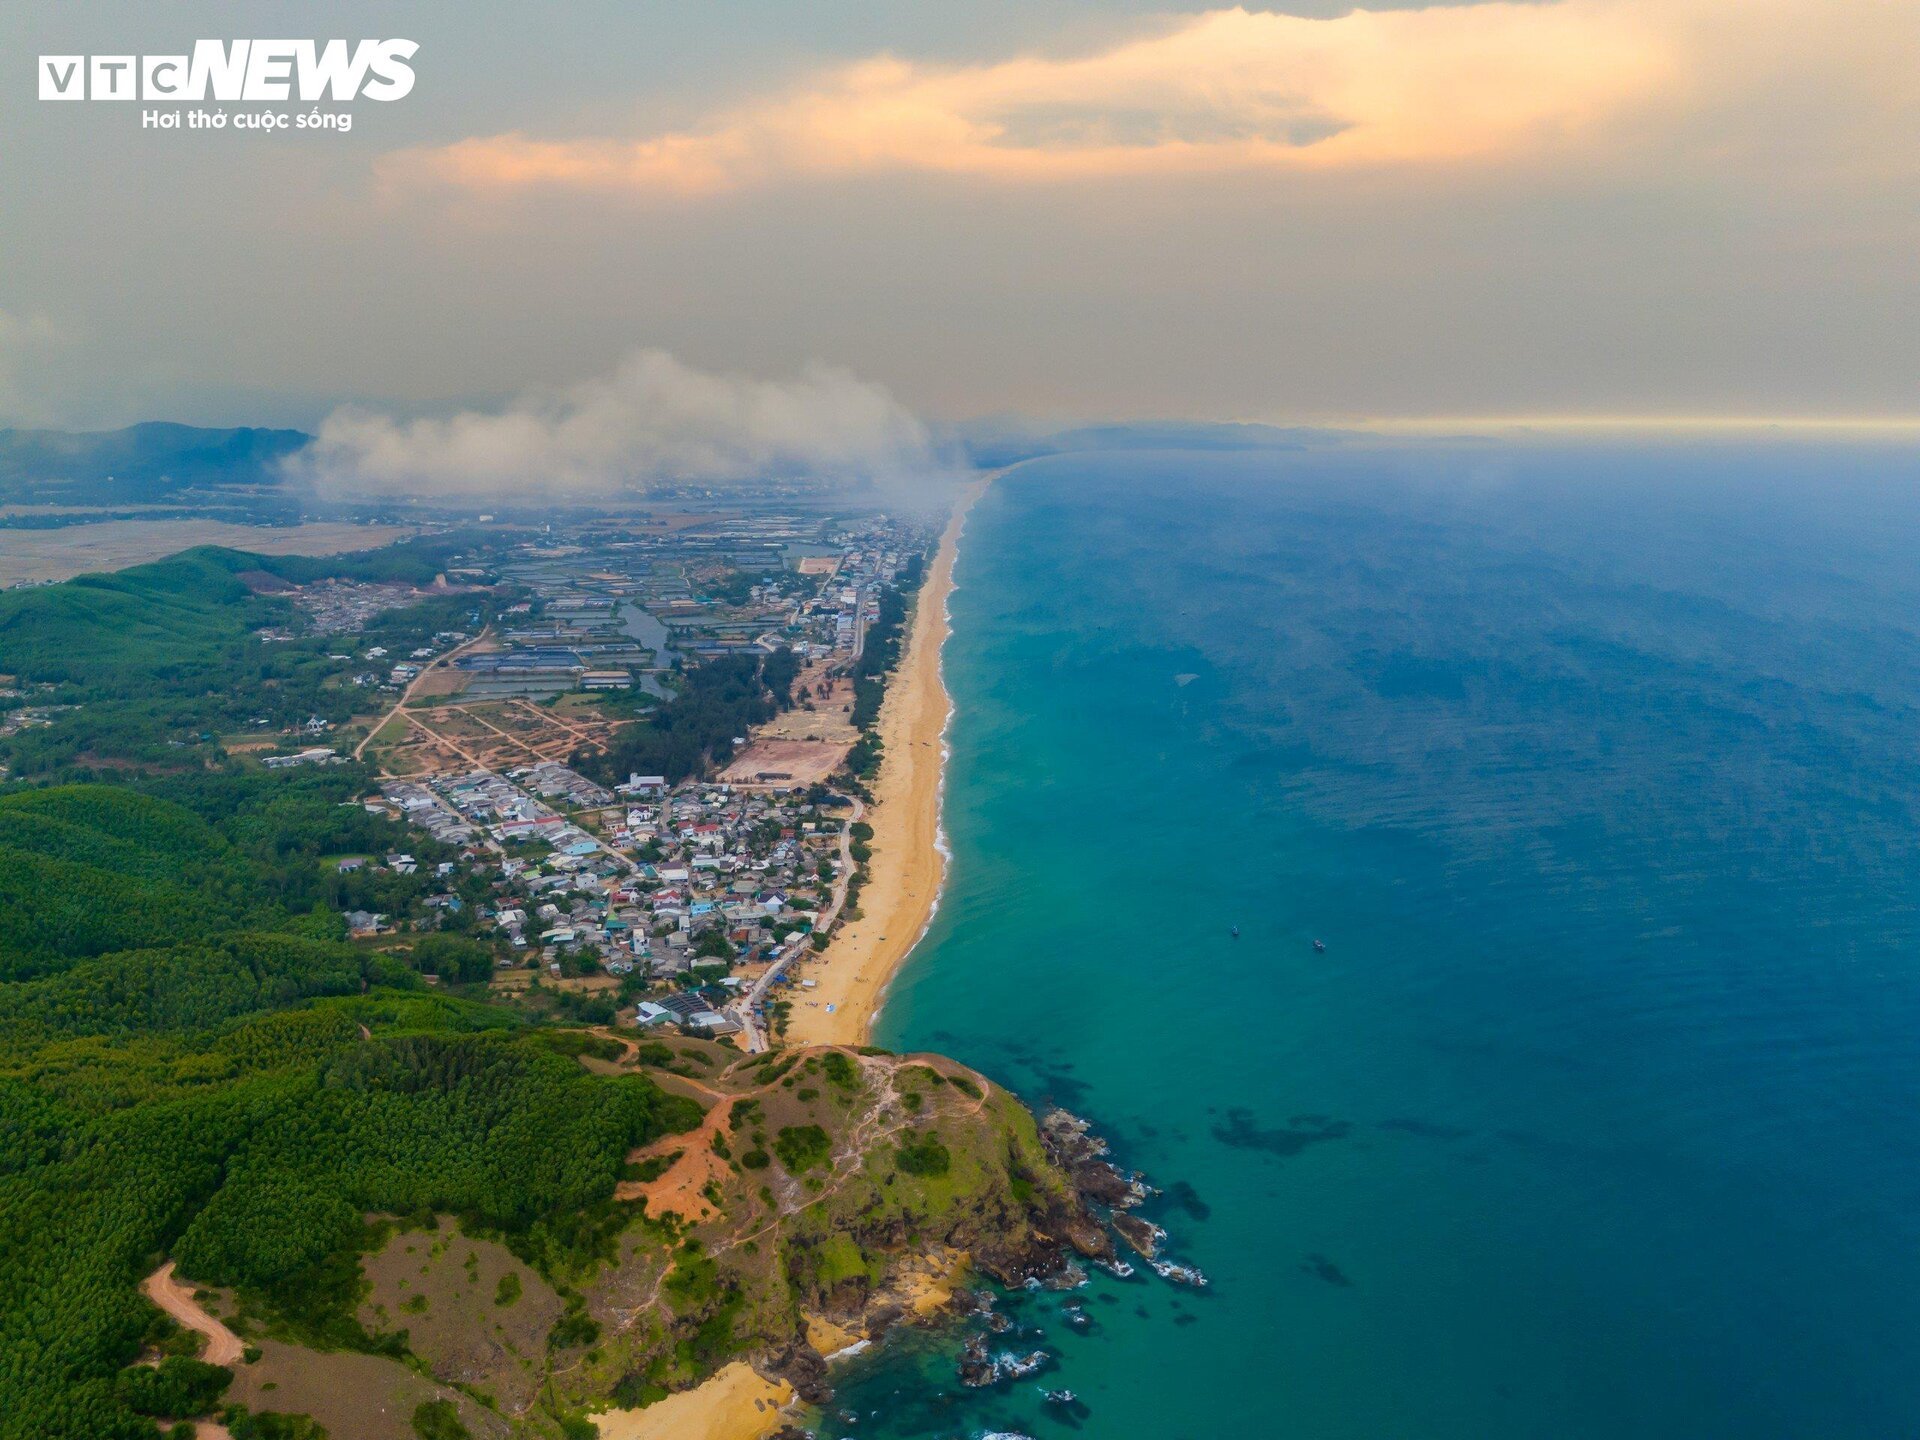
652,422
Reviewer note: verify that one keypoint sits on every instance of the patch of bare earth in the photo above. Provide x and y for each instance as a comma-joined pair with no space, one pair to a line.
365,1397
476,1315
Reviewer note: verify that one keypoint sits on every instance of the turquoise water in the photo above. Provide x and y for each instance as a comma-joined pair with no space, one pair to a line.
1596,770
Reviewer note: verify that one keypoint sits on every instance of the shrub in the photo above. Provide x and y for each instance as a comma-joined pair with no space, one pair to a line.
178,1387
839,1069
439,1420
272,1425
801,1147
925,1156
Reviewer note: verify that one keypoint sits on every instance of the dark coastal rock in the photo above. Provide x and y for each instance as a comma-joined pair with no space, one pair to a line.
1142,1235
1102,1184
976,1366
804,1368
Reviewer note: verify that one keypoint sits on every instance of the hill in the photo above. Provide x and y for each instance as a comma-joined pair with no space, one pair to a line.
405,1200
154,461
149,665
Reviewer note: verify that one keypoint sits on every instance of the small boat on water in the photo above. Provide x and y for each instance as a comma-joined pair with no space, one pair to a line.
1319,947
1236,932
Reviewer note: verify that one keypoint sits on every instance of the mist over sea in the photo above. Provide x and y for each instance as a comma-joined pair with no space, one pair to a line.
1596,770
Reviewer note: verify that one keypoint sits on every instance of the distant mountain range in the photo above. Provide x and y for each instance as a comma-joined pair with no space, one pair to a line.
148,463
157,462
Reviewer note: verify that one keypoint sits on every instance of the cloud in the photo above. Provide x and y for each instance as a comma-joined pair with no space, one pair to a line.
1224,91
652,421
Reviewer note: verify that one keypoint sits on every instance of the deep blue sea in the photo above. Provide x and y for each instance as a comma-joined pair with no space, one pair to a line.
1596,769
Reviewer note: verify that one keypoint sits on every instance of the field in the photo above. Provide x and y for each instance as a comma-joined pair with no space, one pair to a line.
796,763
496,735
43,555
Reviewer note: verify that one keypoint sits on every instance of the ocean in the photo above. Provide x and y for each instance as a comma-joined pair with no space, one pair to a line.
1595,769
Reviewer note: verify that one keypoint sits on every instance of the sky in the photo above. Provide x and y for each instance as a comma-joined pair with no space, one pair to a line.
1701,209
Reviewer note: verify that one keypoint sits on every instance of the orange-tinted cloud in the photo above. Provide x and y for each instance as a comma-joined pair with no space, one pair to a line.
1228,90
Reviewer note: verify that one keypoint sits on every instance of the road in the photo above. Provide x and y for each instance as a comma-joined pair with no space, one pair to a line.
407,694
223,1346
742,1010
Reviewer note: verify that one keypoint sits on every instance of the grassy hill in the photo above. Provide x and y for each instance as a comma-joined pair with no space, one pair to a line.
174,617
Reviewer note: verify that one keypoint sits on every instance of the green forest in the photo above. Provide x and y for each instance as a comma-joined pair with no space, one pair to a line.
191,1065
148,667
696,728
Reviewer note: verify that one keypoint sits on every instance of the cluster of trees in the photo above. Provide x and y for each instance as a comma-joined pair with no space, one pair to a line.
696,727
881,652
249,1147
90,869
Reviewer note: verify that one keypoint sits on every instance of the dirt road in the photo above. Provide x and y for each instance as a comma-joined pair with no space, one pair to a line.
407,694
223,1346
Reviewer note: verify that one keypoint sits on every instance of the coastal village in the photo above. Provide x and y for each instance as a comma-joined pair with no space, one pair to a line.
692,902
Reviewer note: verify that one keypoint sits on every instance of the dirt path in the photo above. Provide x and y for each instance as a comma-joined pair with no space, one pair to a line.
552,718
506,735
407,694
413,719
223,1346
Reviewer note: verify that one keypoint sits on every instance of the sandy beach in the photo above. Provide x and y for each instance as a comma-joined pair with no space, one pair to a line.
736,1404
906,869
852,977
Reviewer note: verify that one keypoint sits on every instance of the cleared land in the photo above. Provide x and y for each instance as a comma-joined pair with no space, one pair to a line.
785,764
42,555
830,719
495,735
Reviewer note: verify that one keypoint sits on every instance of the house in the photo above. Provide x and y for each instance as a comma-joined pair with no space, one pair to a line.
649,1013
696,1014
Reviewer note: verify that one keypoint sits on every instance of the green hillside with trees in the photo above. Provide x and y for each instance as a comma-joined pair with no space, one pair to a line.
193,1064
148,667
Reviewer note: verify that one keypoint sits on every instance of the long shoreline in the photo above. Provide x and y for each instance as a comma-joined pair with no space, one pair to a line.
902,893
908,864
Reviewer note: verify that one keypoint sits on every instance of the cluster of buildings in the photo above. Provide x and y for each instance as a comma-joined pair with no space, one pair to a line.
705,888
337,606
657,881
833,618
